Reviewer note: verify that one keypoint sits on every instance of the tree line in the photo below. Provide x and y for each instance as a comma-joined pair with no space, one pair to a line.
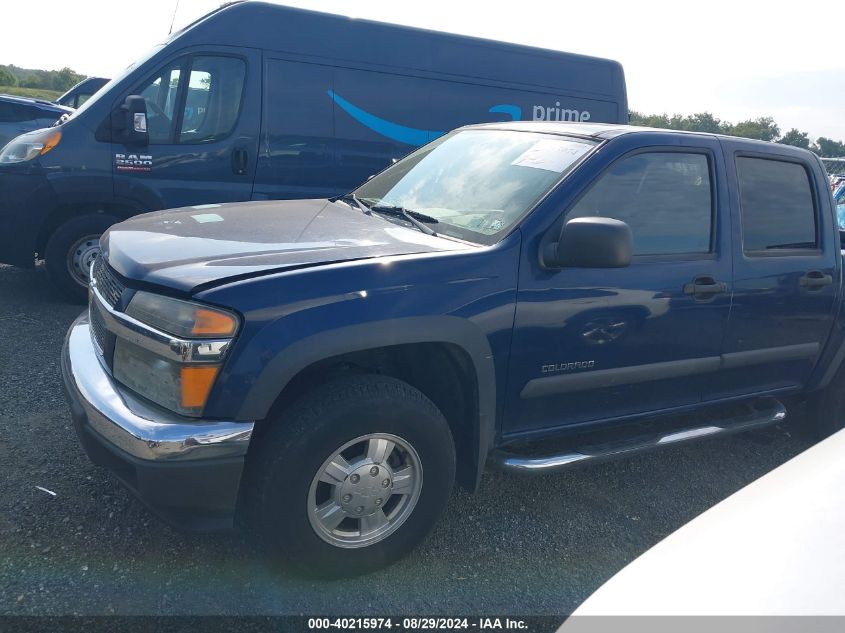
762,128
58,80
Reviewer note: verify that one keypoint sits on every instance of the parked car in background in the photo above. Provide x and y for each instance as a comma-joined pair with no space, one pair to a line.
19,115
776,547
839,201
258,101
81,92
528,295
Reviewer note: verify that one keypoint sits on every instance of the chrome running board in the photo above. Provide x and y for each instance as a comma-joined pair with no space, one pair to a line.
759,413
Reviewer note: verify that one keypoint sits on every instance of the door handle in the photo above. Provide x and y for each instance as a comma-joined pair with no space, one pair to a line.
704,287
240,161
815,280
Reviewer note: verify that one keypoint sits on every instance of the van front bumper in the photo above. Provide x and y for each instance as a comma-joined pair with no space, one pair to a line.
187,471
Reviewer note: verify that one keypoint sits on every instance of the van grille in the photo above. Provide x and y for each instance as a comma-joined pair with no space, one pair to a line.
108,285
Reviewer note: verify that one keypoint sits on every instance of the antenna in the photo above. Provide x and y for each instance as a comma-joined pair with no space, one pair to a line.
174,17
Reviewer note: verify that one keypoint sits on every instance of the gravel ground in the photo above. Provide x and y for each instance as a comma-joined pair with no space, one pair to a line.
519,546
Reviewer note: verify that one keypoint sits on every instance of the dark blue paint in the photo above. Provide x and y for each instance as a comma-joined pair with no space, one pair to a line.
408,84
389,129
768,301
19,115
402,133
309,285
197,173
617,317
515,112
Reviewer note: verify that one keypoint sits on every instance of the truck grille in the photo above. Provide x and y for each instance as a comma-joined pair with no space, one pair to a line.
98,328
111,290
108,285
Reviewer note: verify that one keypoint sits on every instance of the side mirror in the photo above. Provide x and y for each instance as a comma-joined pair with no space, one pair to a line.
590,243
129,121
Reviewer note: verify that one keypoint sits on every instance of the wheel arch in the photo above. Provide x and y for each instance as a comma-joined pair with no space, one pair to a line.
61,213
447,358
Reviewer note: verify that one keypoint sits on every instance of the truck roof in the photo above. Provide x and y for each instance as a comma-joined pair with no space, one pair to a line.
607,131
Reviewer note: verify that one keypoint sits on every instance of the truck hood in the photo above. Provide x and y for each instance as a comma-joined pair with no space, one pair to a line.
208,244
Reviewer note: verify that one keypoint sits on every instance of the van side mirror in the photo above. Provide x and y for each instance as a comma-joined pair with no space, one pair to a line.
129,121
591,242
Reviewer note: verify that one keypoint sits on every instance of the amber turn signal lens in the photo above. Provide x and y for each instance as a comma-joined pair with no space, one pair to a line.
196,384
213,323
51,142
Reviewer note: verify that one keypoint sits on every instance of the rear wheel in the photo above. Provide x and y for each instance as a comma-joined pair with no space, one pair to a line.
71,251
352,477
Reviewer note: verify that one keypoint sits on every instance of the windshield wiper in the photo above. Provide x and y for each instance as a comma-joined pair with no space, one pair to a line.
414,217
351,196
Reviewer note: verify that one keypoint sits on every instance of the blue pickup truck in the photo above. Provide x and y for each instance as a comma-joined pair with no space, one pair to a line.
527,296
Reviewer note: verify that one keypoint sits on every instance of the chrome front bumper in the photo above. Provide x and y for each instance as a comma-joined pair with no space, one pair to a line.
186,470
140,429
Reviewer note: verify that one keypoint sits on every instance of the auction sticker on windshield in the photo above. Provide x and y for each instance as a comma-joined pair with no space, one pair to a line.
551,155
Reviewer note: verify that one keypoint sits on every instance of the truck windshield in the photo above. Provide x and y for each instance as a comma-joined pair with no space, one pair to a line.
476,183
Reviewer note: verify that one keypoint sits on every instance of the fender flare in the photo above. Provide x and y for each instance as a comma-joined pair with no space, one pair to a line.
284,366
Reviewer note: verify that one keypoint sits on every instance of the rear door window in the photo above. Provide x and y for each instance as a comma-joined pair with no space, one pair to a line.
776,206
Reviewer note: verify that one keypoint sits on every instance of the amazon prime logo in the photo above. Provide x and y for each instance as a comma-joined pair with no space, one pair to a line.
556,113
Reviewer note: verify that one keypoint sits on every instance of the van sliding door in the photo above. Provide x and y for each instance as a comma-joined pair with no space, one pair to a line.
297,137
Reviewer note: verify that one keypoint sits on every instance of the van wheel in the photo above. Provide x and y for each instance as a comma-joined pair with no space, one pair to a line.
351,478
827,408
72,249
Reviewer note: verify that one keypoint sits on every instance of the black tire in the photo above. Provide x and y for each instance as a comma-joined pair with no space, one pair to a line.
826,412
289,455
57,253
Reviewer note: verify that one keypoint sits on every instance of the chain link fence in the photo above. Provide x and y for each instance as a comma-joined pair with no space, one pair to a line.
836,171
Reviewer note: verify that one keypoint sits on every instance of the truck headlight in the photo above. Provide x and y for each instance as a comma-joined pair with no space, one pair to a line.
175,386
181,385
185,319
30,145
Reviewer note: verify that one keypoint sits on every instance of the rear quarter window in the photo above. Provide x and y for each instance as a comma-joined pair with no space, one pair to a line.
776,205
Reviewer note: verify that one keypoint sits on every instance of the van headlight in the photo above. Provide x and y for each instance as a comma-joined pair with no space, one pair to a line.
30,145
180,381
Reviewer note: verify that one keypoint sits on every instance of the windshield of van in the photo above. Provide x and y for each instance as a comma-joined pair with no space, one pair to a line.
120,77
475,184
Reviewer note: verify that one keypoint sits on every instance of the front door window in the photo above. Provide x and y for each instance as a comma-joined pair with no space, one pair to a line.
203,109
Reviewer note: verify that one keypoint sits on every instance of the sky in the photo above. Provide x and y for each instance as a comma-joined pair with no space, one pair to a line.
738,59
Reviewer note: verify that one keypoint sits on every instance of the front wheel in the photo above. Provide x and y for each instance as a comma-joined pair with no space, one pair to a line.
71,251
352,477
